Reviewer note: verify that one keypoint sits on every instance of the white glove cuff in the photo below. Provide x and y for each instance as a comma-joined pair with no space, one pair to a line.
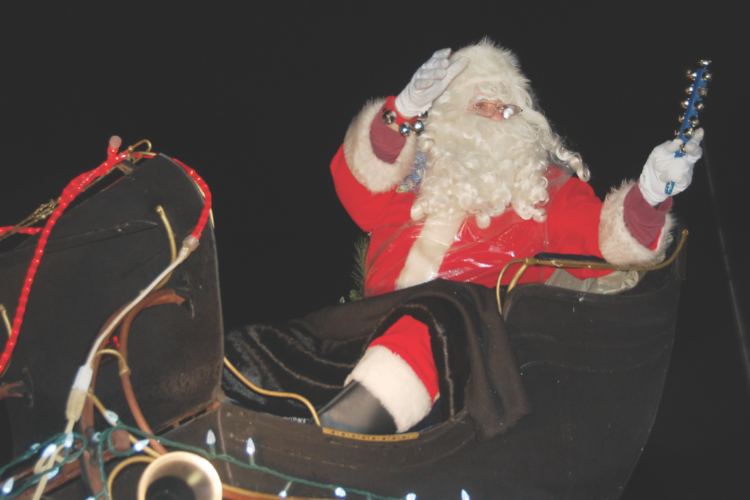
652,196
405,109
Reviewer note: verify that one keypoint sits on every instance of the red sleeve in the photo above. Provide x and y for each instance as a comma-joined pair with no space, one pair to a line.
366,209
386,142
642,220
573,220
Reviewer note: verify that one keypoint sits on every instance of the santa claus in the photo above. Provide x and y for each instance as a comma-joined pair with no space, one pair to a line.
485,182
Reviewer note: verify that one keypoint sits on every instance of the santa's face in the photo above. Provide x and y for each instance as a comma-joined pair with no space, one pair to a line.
478,166
482,155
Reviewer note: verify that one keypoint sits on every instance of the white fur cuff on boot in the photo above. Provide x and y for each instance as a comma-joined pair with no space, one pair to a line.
390,379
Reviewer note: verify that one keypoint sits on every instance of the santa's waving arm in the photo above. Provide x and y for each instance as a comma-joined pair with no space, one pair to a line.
429,83
378,157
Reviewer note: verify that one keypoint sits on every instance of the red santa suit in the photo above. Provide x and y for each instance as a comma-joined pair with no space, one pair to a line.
404,252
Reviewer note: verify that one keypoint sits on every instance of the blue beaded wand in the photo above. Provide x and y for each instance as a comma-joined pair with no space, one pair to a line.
692,105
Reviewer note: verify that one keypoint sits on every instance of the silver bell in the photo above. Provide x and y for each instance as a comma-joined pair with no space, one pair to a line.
418,127
405,128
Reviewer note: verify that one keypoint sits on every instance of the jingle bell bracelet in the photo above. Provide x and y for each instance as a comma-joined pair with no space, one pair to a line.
405,125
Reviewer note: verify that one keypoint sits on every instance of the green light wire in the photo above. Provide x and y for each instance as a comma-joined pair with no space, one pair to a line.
69,455
107,437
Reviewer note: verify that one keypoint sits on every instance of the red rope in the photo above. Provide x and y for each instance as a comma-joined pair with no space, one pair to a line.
203,219
71,191
25,230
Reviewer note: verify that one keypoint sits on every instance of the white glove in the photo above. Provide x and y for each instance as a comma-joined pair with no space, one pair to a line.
430,80
662,167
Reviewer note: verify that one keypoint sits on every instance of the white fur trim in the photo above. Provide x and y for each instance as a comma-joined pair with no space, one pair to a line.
617,245
426,254
390,379
373,173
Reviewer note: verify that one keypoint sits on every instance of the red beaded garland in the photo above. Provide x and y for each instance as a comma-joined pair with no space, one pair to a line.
72,190
203,219
68,195
25,230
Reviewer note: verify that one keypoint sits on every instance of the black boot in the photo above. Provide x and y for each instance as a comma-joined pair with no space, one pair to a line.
355,409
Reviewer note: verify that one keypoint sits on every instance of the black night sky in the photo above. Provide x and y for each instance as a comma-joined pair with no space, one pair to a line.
257,97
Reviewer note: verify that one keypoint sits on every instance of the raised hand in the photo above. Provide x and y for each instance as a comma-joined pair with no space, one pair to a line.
428,83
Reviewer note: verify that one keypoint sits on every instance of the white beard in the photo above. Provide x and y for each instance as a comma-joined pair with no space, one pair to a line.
476,166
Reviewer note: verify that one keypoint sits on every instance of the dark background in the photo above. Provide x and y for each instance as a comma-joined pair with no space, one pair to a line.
257,99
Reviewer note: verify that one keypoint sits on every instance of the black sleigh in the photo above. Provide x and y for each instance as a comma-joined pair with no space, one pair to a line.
592,368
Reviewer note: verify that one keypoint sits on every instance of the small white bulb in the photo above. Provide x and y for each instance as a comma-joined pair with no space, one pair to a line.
410,496
139,446
340,492
34,447
283,493
112,416
210,438
464,495
68,441
250,447
49,450
8,486
52,473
